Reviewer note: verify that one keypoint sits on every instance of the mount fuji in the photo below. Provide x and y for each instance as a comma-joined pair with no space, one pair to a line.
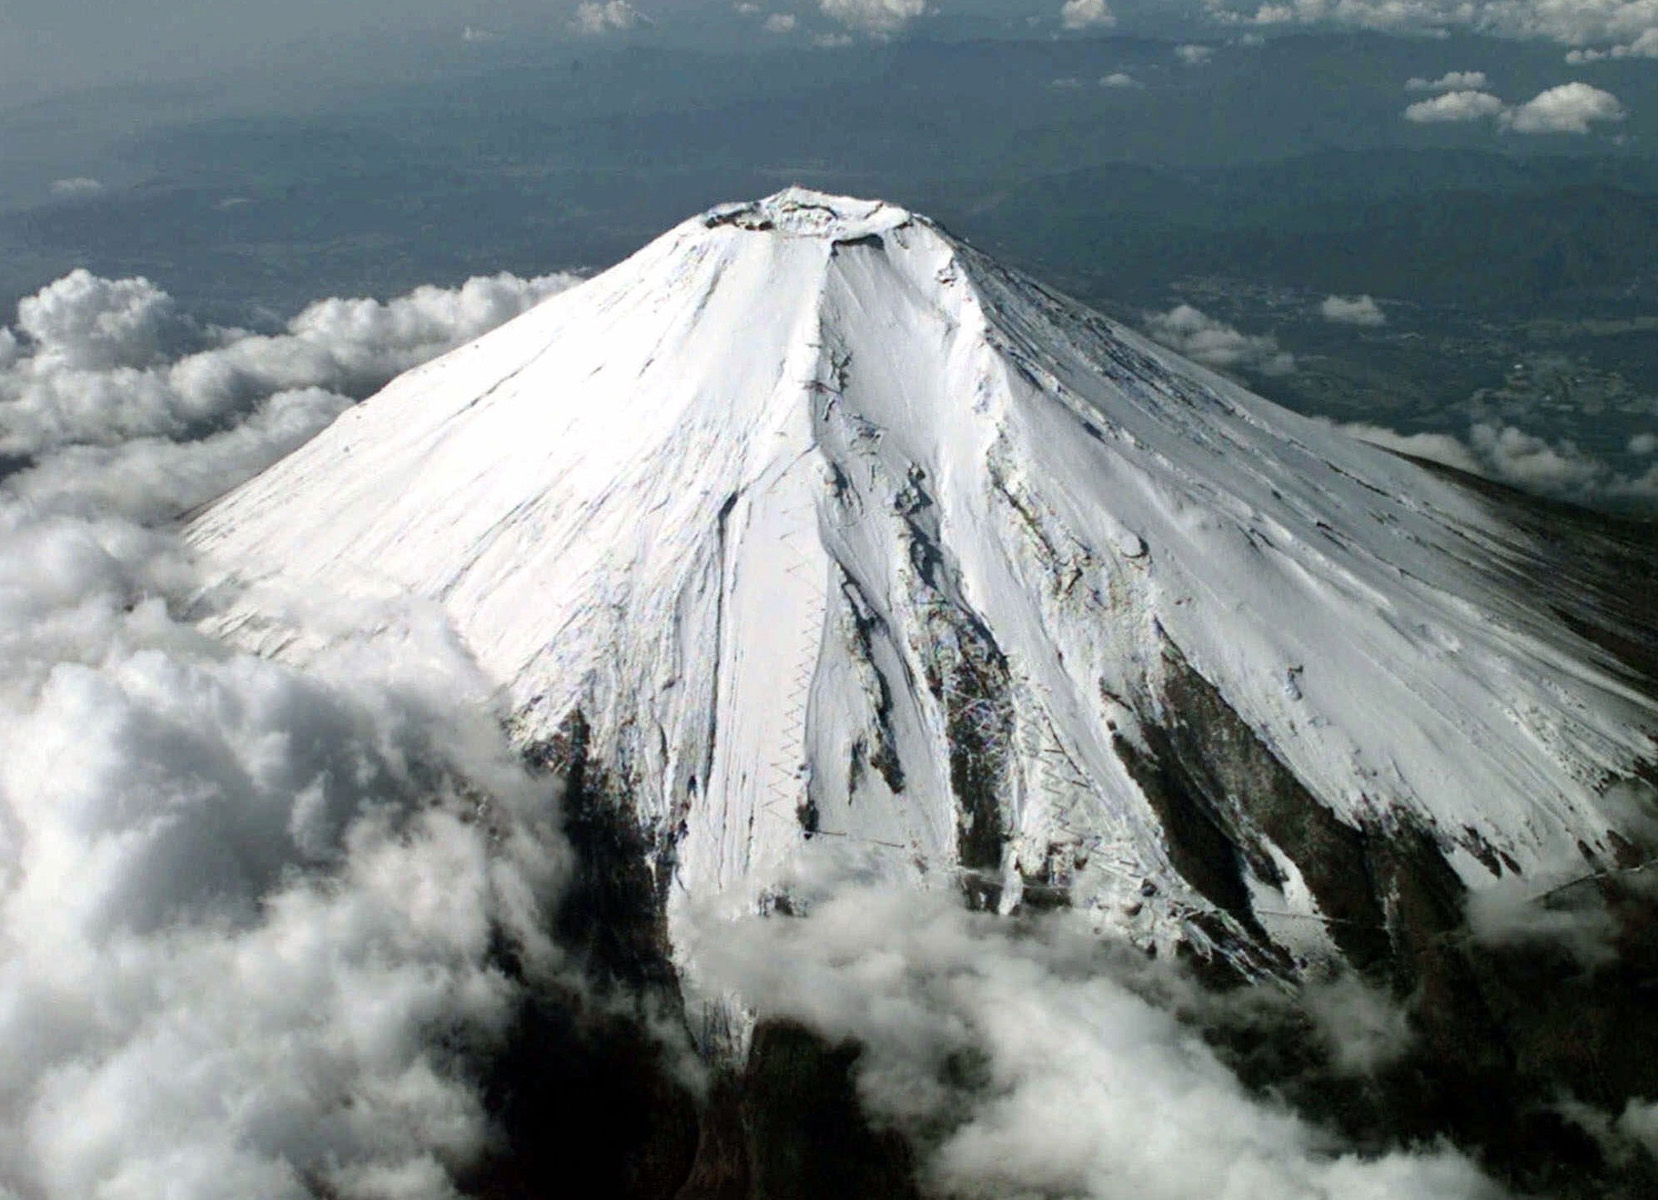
811,522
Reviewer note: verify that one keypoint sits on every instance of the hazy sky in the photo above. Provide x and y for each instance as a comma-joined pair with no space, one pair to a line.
54,45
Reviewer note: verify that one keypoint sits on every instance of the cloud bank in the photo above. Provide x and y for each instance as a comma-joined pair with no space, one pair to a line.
256,919
108,373
1039,1060
1595,28
1510,455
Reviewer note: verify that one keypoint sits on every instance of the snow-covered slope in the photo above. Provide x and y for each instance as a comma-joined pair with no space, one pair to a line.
829,526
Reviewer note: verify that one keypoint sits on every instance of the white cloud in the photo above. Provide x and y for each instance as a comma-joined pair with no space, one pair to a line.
82,322
1455,106
78,186
252,913
1595,28
1568,108
153,479
1523,460
1435,447
780,23
1120,79
1352,310
1530,461
879,17
99,362
1451,81
605,16
1080,1085
1213,343
1194,55
1645,46
1644,443
474,35
1086,14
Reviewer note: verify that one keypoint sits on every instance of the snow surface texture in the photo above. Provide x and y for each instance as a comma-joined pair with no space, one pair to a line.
831,527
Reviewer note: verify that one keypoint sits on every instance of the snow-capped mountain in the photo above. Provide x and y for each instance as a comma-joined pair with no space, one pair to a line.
810,521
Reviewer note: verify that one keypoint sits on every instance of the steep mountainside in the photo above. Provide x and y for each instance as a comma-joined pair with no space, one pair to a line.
809,521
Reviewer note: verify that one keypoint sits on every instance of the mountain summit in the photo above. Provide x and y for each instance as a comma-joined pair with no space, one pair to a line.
810,521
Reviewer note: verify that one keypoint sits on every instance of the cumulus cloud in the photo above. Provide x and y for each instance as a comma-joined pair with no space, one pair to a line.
239,900
1087,14
1039,1059
1451,81
1194,55
596,17
881,18
1120,79
1455,106
1362,311
85,323
1568,108
780,23
1643,443
1523,460
1214,343
103,361
253,914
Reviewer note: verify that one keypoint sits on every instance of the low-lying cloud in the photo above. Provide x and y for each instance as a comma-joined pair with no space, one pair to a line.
1454,107
1087,14
100,362
1041,1060
1362,311
76,187
1524,460
597,17
1595,30
882,18
257,917
1212,342
1569,108
1451,81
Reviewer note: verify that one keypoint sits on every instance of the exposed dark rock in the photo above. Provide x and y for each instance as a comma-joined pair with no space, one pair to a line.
979,722
1218,760
613,915
790,1127
585,1095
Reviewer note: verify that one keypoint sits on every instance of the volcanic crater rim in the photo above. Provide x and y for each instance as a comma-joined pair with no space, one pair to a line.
804,213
